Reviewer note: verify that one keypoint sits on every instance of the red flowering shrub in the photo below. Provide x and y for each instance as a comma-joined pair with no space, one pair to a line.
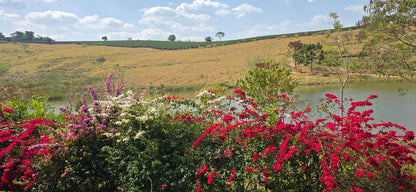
293,152
25,146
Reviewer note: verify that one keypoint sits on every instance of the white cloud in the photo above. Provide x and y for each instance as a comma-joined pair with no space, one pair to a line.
8,16
261,29
318,20
51,17
355,8
222,12
95,22
311,1
201,5
244,9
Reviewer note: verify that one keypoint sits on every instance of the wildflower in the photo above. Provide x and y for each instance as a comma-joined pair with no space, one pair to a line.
163,186
108,82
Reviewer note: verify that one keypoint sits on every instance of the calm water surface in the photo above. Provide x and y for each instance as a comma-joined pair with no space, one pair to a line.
390,106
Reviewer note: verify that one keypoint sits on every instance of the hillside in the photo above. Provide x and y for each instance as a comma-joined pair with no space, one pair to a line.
67,68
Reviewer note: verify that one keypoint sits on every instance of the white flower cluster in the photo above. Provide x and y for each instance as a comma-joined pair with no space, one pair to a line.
205,93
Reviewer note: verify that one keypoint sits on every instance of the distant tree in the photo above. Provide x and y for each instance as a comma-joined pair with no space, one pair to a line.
208,39
2,37
48,40
172,37
104,38
17,36
38,38
391,32
29,36
294,48
129,39
308,54
220,35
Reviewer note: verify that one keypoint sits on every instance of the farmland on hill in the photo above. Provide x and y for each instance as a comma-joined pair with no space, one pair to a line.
68,68
169,45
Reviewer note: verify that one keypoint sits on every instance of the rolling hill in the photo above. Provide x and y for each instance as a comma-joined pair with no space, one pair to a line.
47,69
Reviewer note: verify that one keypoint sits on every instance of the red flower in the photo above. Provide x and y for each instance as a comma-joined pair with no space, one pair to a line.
331,96
410,135
198,188
249,169
8,110
212,177
227,118
163,186
240,93
256,157
201,171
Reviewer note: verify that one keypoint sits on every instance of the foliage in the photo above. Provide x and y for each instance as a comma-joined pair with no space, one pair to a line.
208,39
25,37
294,47
391,44
172,38
308,54
220,35
100,59
104,38
267,79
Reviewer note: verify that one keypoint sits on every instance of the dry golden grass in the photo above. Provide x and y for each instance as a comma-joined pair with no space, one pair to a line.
142,67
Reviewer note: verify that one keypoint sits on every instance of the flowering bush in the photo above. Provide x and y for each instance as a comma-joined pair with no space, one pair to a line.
25,146
296,153
125,142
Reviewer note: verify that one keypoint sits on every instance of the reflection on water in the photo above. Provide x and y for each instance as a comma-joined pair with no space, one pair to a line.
396,100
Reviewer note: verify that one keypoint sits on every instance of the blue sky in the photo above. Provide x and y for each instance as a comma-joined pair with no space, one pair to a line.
188,20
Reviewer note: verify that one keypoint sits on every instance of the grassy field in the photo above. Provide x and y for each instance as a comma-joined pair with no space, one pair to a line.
69,68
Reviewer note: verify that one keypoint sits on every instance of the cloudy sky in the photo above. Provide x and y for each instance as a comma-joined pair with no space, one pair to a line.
187,19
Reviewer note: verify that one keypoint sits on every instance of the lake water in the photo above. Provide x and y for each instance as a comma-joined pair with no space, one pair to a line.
396,100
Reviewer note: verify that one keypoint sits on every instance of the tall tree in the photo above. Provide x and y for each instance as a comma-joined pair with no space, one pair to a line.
17,36
172,37
2,37
104,38
390,26
28,36
208,39
294,47
220,35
